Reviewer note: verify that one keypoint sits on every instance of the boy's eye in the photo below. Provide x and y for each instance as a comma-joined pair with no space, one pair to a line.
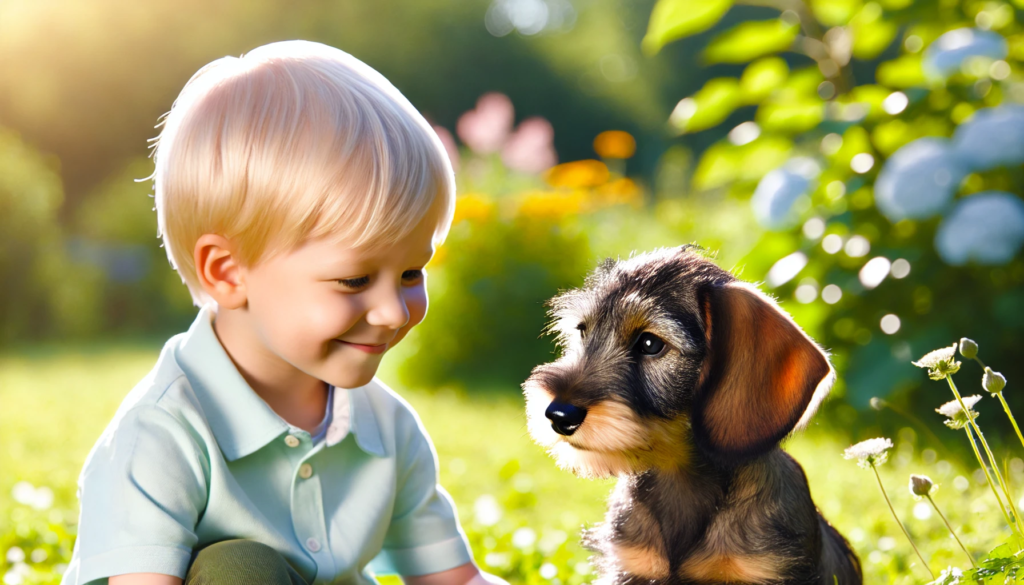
355,282
412,276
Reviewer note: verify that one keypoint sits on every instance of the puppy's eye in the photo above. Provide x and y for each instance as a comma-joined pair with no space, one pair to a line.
581,327
649,344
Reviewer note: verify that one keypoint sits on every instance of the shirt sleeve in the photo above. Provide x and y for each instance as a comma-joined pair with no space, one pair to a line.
142,492
424,535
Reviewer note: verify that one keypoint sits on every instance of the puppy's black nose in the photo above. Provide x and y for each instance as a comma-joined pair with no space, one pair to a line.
565,418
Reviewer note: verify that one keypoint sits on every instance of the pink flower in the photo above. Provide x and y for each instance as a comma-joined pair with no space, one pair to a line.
486,128
448,141
531,148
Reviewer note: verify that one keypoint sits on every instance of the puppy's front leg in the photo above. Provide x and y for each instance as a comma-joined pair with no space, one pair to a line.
630,544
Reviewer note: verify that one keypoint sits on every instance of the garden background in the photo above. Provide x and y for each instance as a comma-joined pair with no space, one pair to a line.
862,160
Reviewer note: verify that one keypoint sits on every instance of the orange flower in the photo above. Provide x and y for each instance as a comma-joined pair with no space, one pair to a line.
577,174
615,144
619,191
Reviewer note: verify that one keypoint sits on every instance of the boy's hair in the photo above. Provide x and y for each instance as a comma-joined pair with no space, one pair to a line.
291,142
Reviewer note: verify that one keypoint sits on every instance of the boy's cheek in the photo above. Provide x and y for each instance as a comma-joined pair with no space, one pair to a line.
417,307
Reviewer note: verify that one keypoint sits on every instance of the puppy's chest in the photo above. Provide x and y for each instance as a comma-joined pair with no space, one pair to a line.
730,548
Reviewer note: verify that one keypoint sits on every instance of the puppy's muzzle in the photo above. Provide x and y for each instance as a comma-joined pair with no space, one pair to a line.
565,418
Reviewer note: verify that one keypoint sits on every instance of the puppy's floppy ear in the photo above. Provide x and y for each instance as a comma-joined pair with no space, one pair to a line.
760,376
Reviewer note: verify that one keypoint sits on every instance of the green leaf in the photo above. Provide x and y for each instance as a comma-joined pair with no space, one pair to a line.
870,96
718,166
708,107
750,40
889,136
871,33
760,156
903,72
805,80
835,12
724,163
675,19
855,141
762,77
791,112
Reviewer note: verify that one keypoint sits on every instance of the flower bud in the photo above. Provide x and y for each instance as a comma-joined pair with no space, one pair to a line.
877,403
920,485
968,348
993,382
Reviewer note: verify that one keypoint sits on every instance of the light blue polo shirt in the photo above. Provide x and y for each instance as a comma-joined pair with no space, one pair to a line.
193,456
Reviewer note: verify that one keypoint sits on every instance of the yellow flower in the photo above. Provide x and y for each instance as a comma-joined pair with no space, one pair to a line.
615,144
475,207
553,205
577,174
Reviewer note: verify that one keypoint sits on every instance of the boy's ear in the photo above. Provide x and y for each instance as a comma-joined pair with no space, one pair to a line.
761,376
219,272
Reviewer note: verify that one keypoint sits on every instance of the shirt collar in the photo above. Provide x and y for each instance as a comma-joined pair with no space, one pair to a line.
240,420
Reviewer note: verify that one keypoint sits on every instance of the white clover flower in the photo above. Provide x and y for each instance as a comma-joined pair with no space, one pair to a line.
870,452
486,510
524,538
940,363
953,408
956,417
950,576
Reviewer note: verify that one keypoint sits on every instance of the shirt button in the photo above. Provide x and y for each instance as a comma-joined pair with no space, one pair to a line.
291,441
306,472
312,544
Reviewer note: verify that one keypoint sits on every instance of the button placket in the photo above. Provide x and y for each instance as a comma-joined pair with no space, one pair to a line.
308,518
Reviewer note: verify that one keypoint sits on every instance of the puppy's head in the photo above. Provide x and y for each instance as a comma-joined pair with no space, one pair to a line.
664,355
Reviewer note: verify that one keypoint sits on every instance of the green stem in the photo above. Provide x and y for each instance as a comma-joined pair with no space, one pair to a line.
991,483
991,457
1006,407
951,531
897,518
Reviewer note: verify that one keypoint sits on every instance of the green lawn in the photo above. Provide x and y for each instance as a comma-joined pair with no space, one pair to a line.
523,515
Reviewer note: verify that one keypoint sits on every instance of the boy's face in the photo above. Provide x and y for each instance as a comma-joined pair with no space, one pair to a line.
332,311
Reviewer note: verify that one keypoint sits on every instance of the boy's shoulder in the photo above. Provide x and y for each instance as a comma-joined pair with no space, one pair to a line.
392,413
164,391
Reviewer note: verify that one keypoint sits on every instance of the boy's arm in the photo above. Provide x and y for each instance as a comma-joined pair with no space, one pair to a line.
144,579
467,574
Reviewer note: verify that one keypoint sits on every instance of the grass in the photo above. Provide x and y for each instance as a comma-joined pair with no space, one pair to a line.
523,515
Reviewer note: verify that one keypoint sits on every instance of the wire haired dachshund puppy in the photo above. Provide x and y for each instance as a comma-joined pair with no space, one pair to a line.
681,381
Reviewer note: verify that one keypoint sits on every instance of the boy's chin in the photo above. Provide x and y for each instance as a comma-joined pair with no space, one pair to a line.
354,378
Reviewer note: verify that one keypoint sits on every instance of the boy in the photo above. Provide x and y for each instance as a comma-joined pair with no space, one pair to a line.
299,195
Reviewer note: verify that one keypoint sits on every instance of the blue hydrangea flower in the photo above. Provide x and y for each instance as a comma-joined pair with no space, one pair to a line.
919,180
992,137
945,56
987,228
780,189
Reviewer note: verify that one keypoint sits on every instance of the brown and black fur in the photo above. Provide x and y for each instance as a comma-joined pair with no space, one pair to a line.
705,494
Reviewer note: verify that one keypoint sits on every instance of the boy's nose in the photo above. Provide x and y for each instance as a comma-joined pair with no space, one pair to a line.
565,418
389,310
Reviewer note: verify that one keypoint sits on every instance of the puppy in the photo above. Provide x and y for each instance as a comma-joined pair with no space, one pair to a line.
681,380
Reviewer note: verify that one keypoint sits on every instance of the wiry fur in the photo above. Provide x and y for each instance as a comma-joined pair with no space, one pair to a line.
705,495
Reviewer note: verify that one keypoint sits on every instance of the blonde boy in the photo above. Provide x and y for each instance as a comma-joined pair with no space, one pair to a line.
299,195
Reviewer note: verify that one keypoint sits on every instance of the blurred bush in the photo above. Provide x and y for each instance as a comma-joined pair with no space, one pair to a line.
44,295
883,159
